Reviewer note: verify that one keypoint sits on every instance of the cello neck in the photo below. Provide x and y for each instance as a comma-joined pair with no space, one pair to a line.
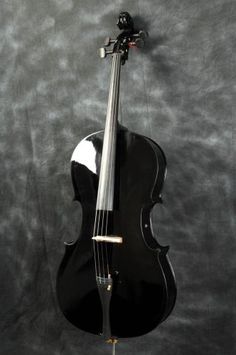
105,195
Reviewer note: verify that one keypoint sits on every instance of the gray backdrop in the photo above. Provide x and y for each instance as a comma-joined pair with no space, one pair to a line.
180,91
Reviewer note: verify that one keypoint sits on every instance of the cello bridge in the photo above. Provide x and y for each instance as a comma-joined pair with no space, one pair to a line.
108,238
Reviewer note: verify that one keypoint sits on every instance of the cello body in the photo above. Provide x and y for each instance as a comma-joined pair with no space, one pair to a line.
144,289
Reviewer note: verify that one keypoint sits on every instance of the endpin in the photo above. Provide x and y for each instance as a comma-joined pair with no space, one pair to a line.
113,342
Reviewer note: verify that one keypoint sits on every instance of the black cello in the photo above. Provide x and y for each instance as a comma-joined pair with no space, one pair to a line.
116,280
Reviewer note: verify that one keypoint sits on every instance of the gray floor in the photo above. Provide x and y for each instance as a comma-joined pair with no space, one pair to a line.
180,91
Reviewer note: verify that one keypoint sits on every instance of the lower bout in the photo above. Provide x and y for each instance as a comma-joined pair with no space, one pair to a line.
127,317
130,320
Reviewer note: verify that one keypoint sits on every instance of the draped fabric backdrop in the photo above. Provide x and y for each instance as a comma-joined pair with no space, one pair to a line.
180,91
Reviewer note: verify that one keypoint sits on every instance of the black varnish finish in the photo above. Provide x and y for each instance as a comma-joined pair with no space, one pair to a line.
116,280
144,288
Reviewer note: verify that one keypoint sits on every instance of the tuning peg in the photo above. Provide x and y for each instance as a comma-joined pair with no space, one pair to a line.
143,34
108,41
104,52
139,42
139,39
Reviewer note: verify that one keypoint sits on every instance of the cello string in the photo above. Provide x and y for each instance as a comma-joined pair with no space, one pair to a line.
102,246
96,252
107,260
99,246
101,243
111,172
106,230
113,150
107,216
94,244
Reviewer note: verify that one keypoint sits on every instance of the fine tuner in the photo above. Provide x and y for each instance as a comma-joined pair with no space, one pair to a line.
129,38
